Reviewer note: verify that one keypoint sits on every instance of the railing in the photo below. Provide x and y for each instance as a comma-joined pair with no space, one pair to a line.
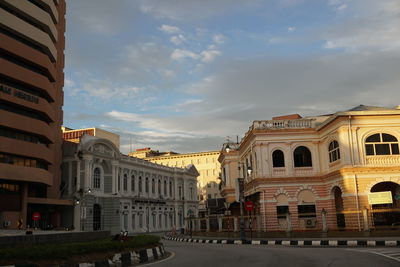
284,124
279,171
383,160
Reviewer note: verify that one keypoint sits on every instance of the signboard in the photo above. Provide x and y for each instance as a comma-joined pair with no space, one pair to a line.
249,205
380,198
239,188
36,216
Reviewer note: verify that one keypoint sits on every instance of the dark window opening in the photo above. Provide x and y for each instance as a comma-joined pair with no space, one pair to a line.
278,158
20,135
25,112
281,211
305,211
381,144
302,157
23,161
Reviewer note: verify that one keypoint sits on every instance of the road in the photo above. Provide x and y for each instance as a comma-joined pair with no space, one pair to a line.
218,255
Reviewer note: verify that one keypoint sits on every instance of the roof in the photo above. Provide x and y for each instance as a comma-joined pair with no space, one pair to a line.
367,108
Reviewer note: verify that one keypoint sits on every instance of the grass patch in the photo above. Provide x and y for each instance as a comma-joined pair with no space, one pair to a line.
33,252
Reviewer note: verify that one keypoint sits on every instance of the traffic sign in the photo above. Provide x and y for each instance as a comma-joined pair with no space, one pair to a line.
249,205
36,216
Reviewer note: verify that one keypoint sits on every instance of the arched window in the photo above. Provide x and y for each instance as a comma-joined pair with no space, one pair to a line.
302,157
381,144
146,185
170,188
153,186
278,158
96,178
140,184
125,182
159,187
334,153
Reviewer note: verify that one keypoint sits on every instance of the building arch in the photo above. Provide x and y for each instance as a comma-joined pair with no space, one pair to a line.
278,158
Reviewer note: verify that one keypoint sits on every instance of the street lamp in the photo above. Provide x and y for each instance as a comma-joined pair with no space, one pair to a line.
241,193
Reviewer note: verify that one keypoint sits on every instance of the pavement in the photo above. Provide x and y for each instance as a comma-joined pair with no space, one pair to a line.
4,232
341,241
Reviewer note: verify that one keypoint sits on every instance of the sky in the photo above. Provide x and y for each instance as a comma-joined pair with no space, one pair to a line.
183,75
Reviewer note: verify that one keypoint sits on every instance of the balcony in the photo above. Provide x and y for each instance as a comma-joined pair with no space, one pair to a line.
383,160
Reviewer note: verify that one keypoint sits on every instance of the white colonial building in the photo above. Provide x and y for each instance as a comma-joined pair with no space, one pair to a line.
117,192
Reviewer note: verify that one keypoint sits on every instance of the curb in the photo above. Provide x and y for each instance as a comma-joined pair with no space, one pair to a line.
317,243
119,259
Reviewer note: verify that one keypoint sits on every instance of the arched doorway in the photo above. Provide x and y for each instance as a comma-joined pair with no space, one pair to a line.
387,214
340,219
96,217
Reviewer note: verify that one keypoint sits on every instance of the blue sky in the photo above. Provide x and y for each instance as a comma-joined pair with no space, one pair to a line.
182,75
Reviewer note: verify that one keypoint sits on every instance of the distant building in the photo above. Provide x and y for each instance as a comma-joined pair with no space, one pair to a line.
32,47
75,135
206,163
337,171
117,192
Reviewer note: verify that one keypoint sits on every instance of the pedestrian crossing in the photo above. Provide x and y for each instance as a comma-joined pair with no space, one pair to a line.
391,253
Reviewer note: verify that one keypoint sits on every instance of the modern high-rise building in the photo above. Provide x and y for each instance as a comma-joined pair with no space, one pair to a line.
32,46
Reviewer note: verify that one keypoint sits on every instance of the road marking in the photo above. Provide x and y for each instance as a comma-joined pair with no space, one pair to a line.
155,262
381,252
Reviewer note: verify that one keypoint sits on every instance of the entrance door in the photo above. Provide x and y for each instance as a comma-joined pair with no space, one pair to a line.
96,217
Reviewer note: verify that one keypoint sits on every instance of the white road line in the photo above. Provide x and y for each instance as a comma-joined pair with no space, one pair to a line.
384,255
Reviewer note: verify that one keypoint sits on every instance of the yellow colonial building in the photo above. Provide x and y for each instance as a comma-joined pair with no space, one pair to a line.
337,171
206,164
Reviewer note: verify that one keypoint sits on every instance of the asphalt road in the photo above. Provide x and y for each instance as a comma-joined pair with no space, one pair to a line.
218,255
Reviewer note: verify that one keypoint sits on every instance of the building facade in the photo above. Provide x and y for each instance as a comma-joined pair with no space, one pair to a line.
206,164
334,172
31,99
117,192
75,135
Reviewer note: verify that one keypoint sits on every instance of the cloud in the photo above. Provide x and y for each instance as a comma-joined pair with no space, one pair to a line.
169,29
219,38
371,26
291,29
209,55
179,54
178,39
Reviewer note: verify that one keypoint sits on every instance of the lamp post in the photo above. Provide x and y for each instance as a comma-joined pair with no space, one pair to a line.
241,193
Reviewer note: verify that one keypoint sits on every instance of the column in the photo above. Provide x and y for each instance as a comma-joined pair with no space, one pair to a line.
70,182
208,224
114,165
219,223
324,221
236,224
365,219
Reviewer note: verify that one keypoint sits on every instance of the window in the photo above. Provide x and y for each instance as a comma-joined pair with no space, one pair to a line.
278,159
180,192
170,188
334,153
159,188
191,192
165,187
208,196
133,183
140,184
381,144
125,182
96,178
146,185
153,186
302,157
305,211
133,221
281,211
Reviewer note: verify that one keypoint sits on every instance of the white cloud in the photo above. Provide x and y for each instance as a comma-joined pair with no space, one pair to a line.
178,39
107,90
219,38
169,29
291,29
179,54
209,55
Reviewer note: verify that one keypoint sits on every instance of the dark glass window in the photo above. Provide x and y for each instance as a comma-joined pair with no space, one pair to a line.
278,158
381,144
334,152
